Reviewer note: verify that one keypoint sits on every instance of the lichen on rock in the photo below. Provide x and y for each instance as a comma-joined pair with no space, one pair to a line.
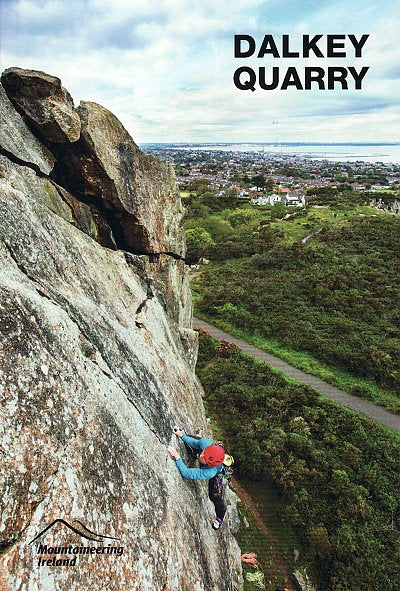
97,360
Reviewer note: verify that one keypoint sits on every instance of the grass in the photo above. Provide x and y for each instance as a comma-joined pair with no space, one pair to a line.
362,387
315,218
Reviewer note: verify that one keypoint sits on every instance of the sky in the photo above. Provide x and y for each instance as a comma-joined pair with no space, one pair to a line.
165,67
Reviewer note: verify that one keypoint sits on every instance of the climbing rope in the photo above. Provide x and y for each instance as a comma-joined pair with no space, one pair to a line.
257,578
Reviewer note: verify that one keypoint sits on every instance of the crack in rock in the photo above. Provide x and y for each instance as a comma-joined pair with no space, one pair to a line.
7,545
105,219
149,296
21,162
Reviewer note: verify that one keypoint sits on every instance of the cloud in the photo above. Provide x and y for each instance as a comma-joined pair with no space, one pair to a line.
165,67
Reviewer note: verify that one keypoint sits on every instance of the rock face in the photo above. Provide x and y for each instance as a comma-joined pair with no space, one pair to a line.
132,197
18,142
45,102
97,363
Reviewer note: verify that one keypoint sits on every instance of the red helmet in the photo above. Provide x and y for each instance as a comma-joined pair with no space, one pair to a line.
214,455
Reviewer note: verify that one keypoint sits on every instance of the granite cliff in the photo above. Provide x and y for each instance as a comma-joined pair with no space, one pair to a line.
97,358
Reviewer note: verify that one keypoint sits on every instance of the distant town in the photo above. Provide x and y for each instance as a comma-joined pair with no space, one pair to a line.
265,178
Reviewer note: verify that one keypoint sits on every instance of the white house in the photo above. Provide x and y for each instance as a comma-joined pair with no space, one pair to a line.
275,198
294,199
261,200
267,199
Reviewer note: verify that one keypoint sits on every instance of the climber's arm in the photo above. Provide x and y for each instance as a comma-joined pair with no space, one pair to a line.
192,473
192,442
195,473
198,443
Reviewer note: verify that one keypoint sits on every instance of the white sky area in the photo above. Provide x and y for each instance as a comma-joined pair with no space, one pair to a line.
165,67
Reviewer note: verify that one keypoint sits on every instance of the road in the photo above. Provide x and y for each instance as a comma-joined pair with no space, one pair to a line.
360,405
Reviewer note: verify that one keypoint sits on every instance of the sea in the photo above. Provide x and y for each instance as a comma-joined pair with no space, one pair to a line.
353,152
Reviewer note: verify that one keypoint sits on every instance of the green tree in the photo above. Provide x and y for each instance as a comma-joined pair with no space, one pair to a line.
242,216
198,185
259,181
196,241
196,209
278,211
270,184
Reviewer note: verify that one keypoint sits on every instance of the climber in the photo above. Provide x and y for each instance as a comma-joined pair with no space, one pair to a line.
211,459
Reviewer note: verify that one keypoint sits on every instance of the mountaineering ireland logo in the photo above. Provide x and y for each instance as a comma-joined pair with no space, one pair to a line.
96,538
84,532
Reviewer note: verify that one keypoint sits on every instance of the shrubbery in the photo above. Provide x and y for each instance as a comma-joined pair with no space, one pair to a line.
336,297
196,241
338,472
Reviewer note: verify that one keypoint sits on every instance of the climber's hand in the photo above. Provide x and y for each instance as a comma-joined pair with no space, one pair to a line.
177,432
173,453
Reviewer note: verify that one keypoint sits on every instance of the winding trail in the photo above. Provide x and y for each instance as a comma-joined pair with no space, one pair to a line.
360,405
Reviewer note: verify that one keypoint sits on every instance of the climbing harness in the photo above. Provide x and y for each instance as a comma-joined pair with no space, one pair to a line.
217,485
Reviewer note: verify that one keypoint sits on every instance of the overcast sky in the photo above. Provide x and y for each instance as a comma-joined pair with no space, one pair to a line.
165,67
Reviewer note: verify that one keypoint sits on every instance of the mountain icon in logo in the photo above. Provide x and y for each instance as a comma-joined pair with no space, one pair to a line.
86,533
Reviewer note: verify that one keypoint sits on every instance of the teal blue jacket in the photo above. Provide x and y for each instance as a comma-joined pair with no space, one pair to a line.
204,472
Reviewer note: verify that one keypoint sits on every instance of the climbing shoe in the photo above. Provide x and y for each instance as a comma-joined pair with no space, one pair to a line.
217,523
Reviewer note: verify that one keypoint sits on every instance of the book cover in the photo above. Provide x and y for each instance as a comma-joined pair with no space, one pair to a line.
199,321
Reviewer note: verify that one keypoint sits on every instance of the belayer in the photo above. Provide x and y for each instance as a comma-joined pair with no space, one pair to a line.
211,457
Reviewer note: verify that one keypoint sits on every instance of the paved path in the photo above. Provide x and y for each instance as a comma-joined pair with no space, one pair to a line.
365,407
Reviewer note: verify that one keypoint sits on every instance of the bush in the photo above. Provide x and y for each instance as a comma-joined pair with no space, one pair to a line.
215,226
339,472
278,211
336,297
196,241
242,216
